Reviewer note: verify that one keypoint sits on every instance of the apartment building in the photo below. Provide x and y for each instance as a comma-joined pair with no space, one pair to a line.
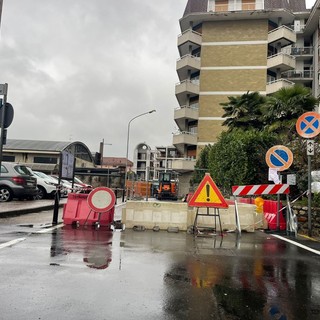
230,47
147,163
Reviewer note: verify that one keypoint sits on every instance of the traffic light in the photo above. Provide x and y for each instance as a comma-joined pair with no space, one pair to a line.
97,158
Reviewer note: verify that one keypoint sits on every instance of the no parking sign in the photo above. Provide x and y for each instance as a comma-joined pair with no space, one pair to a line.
279,158
308,125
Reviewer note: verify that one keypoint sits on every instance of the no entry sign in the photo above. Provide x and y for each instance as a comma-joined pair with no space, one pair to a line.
101,199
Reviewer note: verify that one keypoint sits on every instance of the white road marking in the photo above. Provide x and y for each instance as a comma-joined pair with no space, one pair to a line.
45,230
11,243
298,244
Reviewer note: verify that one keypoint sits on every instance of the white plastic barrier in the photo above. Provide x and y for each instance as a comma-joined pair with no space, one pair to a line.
178,214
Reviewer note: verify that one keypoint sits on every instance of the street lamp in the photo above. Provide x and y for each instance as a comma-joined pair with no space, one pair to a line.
128,135
102,144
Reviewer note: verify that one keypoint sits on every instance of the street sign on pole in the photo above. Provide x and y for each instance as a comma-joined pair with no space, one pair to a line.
310,147
3,102
279,158
308,125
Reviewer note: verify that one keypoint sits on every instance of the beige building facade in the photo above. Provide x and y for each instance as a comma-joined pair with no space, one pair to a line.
230,47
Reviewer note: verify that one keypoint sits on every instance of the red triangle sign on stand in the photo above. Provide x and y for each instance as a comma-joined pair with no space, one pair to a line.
208,195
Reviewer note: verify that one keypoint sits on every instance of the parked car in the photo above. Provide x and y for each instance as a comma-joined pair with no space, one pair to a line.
68,185
16,182
64,190
47,187
86,188
78,185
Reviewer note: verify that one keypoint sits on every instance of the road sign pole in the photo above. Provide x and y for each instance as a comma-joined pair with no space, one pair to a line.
3,91
278,206
309,196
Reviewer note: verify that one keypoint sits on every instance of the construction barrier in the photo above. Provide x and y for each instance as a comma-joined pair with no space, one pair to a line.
77,211
164,215
270,210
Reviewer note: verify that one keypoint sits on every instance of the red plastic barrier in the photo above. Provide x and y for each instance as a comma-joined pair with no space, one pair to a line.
270,213
77,210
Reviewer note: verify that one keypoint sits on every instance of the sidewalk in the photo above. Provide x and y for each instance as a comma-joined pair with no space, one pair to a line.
18,207
27,206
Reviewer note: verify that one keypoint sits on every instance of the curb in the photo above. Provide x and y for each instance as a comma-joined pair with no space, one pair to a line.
21,211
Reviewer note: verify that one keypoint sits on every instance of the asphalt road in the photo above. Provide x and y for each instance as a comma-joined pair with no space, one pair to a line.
60,272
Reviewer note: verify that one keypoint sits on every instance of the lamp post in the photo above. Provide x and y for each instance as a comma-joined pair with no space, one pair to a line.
102,144
128,135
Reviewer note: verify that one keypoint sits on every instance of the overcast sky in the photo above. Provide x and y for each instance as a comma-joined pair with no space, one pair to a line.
80,70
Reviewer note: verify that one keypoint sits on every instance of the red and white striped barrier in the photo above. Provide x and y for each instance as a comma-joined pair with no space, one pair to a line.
260,189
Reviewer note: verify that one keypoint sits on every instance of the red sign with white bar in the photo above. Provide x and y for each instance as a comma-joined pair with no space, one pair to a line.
260,189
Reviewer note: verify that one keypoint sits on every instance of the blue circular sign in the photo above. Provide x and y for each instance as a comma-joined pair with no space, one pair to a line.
279,158
308,125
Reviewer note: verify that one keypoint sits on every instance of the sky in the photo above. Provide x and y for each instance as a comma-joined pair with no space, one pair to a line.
310,3
80,70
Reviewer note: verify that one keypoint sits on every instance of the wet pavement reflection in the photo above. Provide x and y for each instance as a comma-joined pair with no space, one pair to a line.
98,274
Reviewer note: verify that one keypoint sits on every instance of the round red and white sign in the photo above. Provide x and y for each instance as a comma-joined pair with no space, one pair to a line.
101,199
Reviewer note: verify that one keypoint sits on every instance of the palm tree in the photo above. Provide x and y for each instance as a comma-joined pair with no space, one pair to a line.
285,106
244,112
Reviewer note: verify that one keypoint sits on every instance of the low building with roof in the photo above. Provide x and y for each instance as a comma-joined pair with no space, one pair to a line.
45,155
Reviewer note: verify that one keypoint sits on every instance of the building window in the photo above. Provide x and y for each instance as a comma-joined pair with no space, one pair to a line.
221,5
248,4
9,158
45,160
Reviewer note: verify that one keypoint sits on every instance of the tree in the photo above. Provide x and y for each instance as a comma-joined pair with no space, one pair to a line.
239,158
244,112
201,166
284,107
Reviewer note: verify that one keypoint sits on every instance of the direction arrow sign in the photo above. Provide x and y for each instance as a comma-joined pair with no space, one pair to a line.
308,125
207,195
279,157
310,148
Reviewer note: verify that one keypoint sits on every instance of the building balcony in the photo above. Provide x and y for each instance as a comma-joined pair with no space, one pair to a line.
186,89
186,65
188,41
281,61
298,76
181,114
183,164
303,53
276,85
184,138
283,35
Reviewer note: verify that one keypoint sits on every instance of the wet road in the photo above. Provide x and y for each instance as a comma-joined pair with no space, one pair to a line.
82,273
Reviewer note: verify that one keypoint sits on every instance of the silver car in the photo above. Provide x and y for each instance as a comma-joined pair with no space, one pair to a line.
16,182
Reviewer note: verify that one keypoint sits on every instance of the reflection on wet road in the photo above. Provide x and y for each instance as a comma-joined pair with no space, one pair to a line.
96,274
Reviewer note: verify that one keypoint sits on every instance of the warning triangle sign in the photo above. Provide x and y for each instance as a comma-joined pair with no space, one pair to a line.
207,195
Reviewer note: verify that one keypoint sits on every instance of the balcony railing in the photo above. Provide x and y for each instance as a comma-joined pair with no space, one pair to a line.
183,164
183,113
299,51
283,35
296,74
186,64
275,85
281,61
185,88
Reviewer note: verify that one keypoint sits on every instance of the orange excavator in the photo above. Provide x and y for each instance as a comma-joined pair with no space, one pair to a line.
168,187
